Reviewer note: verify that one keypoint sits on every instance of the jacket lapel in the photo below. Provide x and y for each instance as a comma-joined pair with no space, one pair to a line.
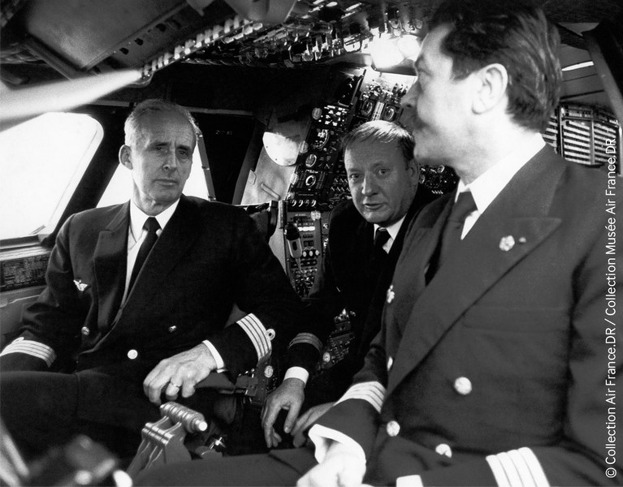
425,239
520,211
109,263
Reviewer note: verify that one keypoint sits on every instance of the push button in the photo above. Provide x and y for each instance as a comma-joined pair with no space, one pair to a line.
463,386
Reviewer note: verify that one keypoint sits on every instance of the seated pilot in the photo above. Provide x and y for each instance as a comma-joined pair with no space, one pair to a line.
137,299
365,239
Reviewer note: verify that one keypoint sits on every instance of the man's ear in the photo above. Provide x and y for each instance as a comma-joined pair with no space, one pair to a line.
491,83
125,153
414,171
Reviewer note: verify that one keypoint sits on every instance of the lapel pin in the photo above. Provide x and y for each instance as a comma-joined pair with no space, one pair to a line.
81,286
390,294
507,243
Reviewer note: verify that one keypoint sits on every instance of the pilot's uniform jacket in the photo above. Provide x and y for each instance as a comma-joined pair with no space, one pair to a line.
350,277
498,368
208,257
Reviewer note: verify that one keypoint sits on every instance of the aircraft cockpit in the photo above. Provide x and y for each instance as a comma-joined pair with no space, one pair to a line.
273,85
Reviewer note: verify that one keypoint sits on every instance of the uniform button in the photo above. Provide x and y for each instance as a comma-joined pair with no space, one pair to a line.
172,328
444,449
85,331
393,428
132,354
463,386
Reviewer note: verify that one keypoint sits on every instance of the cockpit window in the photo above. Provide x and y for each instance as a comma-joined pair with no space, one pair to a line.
42,162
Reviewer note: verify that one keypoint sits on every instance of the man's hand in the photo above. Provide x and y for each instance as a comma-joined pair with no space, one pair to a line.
306,420
289,395
179,373
340,468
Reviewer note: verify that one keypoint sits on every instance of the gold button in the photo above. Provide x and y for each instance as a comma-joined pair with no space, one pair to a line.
172,328
463,386
85,331
444,449
132,354
393,428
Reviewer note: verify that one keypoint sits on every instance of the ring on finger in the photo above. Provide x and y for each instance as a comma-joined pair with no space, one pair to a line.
175,385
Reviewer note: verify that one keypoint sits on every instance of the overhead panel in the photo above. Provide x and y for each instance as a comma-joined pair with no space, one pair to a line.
126,33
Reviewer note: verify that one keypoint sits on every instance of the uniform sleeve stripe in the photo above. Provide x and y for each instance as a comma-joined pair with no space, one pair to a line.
540,480
257,334
525,478
308,338
372,392
33,348
517,468
510,469
498,471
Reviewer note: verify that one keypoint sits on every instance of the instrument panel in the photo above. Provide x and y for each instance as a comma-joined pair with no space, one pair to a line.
23,268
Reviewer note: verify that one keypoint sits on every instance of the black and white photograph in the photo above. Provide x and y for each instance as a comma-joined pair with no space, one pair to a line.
311,243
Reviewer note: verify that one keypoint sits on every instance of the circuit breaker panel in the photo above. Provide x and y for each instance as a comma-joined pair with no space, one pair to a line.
306,238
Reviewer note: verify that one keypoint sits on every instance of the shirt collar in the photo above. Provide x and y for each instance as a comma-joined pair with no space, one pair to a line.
393,229
138,217
489,184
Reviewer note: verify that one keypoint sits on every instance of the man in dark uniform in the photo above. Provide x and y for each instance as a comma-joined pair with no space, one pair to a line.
124,334
365,239
492,365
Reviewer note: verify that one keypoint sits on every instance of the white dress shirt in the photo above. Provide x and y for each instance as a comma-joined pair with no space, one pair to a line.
393,230
137,234
489,184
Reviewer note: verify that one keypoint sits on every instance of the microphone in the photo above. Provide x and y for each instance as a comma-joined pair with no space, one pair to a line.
293,238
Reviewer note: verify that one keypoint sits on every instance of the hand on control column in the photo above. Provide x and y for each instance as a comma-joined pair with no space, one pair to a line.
182,372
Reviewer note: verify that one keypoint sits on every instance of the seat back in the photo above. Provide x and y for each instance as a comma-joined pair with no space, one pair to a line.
265,216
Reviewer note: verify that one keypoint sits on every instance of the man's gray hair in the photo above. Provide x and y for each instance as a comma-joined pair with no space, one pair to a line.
132,126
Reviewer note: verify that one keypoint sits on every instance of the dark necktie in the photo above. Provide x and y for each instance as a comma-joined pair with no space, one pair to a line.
451,235
379,256
152,226
454,225
381,236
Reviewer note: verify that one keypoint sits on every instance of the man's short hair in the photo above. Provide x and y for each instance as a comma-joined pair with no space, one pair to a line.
132,124
383,132
518,36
